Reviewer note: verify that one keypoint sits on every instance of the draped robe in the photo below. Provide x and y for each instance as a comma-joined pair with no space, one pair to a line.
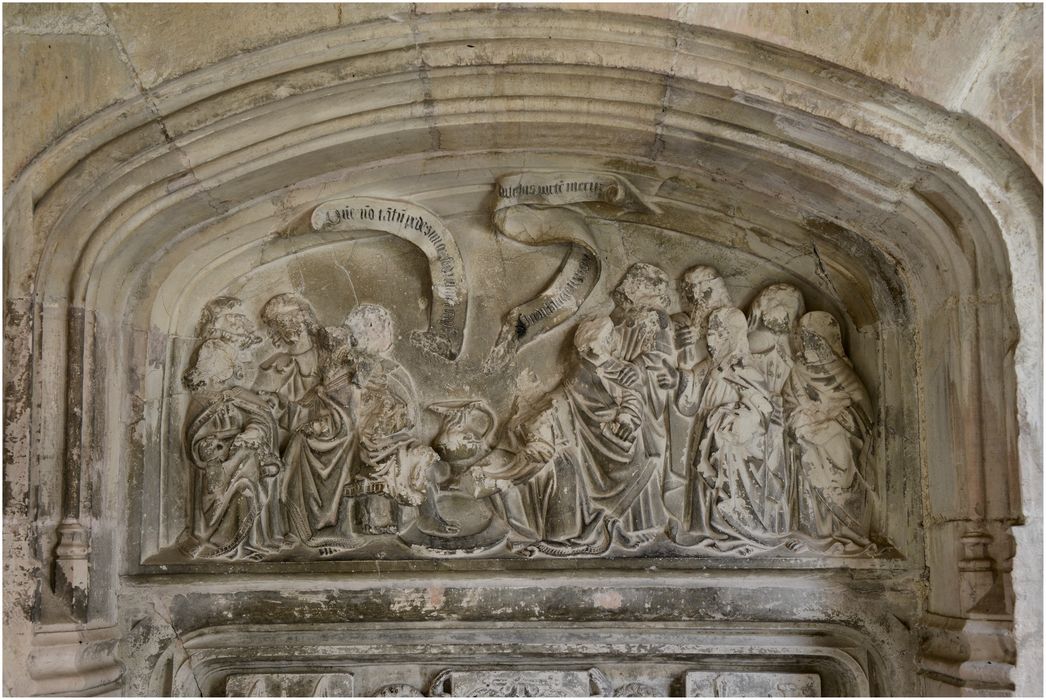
775,364
734,416
232,440
584,475
318,465
828,413
644,337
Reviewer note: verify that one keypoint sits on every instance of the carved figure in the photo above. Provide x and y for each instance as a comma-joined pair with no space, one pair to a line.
727,489
703,291
829,418
232,440
770,424
573,471
393,468
302,344
644,337
772,319
320,453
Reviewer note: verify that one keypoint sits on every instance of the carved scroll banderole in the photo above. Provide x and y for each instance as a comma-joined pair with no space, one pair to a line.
537,209
418,225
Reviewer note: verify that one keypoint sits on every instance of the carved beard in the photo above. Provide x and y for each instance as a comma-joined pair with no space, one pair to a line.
287,336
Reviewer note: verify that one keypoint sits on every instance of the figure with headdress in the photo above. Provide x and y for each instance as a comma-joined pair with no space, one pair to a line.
727,490
772,320
829,421
231,438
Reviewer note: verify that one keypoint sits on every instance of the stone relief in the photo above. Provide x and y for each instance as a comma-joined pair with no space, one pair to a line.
518,683
290,685
316,450
733,684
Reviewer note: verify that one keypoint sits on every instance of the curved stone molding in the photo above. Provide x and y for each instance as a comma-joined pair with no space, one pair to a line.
915,230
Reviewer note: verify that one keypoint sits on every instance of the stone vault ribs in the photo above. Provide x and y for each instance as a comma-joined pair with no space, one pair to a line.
709,432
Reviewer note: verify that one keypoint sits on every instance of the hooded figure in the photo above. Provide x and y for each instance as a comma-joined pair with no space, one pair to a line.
829,420
772,320
727,489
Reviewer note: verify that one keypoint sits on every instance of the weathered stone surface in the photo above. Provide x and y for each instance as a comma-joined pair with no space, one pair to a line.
705,684
289,685
523,349
161,44
61,79
1008,85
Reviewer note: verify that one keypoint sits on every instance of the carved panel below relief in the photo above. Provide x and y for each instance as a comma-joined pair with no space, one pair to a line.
290,685
730,684
520,684
681,424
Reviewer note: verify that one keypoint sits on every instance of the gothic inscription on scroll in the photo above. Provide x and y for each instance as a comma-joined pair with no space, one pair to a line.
304,437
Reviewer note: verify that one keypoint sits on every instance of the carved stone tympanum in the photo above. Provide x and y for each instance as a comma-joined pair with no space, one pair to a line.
514,349
315,446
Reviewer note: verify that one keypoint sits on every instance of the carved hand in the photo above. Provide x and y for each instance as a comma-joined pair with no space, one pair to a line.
623,373
665,378
539,451
686,336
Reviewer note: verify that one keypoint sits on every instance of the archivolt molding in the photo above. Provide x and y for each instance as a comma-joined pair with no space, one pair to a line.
120,224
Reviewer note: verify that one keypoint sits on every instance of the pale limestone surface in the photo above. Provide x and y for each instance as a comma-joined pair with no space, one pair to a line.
978,58
550,177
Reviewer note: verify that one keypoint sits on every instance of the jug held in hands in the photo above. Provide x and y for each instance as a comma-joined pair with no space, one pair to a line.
466,431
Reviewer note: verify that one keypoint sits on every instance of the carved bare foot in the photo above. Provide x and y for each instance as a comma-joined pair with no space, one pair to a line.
793,545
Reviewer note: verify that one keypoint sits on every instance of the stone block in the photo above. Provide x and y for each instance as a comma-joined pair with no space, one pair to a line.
730,684
164,41
52,82
290,685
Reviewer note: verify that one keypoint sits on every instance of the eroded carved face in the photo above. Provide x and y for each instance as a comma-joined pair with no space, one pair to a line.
595,336
778,307
727,333
289,318
239,329
287,329
212,448
644,286
820,337
704,288
371,329
707,295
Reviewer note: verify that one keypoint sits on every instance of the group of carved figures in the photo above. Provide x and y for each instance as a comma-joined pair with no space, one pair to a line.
322,449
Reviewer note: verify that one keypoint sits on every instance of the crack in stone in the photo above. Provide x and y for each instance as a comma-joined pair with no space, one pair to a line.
154,109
